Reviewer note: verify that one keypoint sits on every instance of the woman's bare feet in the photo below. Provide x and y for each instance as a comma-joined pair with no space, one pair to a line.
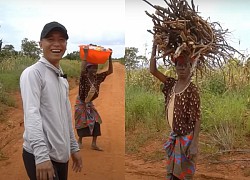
95,147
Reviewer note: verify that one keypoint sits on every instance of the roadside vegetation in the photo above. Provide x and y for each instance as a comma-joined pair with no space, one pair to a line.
225,104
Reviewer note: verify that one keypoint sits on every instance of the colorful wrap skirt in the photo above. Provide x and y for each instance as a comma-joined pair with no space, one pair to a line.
86,116
178,163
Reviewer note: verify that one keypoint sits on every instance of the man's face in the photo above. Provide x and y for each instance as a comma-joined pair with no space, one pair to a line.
54,46
183,69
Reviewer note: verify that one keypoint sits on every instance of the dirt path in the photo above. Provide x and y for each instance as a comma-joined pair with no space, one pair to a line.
107,165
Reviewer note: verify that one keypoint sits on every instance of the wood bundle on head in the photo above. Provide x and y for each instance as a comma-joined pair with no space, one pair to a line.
178,29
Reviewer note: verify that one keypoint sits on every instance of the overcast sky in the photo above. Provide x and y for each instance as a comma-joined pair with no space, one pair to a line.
87,21
231,14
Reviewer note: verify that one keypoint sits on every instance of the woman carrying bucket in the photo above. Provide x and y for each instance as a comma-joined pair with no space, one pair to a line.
87,119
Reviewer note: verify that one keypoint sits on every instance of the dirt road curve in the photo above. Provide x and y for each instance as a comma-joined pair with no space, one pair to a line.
106,165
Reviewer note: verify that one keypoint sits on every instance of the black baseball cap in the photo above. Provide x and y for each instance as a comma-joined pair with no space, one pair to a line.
53,26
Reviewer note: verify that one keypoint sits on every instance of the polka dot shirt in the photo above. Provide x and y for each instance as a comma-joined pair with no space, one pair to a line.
186,106
85,85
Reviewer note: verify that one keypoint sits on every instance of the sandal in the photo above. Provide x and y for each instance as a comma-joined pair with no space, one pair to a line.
96,148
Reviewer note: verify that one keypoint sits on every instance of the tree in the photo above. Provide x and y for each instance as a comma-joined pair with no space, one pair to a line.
131,61
75,55
9,47
144,61
30,48
8,51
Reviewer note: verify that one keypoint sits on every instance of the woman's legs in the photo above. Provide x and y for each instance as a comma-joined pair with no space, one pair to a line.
94,145
96,132
84,132
80,142
94,141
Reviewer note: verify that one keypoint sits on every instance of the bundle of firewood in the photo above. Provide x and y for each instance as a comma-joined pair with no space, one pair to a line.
178,29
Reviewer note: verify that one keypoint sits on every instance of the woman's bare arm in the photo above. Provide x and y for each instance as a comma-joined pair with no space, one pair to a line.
153,68
84,61
110,69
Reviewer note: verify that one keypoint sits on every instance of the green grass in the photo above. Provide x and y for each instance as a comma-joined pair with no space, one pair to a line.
143,106
71,67
10,71
144,120
230,107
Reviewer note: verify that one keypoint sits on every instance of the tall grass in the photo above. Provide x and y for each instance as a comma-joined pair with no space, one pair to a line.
10,70
145,107
225,118
71,67
142,78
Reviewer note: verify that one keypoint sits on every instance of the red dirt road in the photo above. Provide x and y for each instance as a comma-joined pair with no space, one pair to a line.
106,165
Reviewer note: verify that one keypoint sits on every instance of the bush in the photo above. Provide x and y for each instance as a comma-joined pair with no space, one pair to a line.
215,84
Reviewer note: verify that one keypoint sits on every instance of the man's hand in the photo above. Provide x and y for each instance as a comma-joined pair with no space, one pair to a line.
45,171
77,162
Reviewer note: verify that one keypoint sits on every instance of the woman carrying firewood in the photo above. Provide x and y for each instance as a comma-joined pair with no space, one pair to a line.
182,105
87,119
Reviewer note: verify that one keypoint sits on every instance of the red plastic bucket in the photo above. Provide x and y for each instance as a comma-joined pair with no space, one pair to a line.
96,54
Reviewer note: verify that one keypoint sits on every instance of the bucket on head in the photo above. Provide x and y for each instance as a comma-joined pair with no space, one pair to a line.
96,54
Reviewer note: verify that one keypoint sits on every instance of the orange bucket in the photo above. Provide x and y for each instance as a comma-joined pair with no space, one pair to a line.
96,54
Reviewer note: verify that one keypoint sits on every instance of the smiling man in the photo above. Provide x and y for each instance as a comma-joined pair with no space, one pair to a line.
49,138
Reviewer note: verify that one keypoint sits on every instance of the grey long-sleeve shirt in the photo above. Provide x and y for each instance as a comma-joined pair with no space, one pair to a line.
48,126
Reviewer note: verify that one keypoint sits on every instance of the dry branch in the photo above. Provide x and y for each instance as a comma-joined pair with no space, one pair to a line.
179,29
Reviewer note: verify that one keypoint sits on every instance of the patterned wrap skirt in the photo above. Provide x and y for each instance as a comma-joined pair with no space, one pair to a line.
86,116
178,163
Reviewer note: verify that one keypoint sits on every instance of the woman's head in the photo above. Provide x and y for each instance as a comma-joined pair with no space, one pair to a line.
183,67
91,68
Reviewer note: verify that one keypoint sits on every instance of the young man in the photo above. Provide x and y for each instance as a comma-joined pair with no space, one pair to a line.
49,138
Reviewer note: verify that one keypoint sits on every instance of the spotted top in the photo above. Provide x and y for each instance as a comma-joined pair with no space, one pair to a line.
186,106
85,85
